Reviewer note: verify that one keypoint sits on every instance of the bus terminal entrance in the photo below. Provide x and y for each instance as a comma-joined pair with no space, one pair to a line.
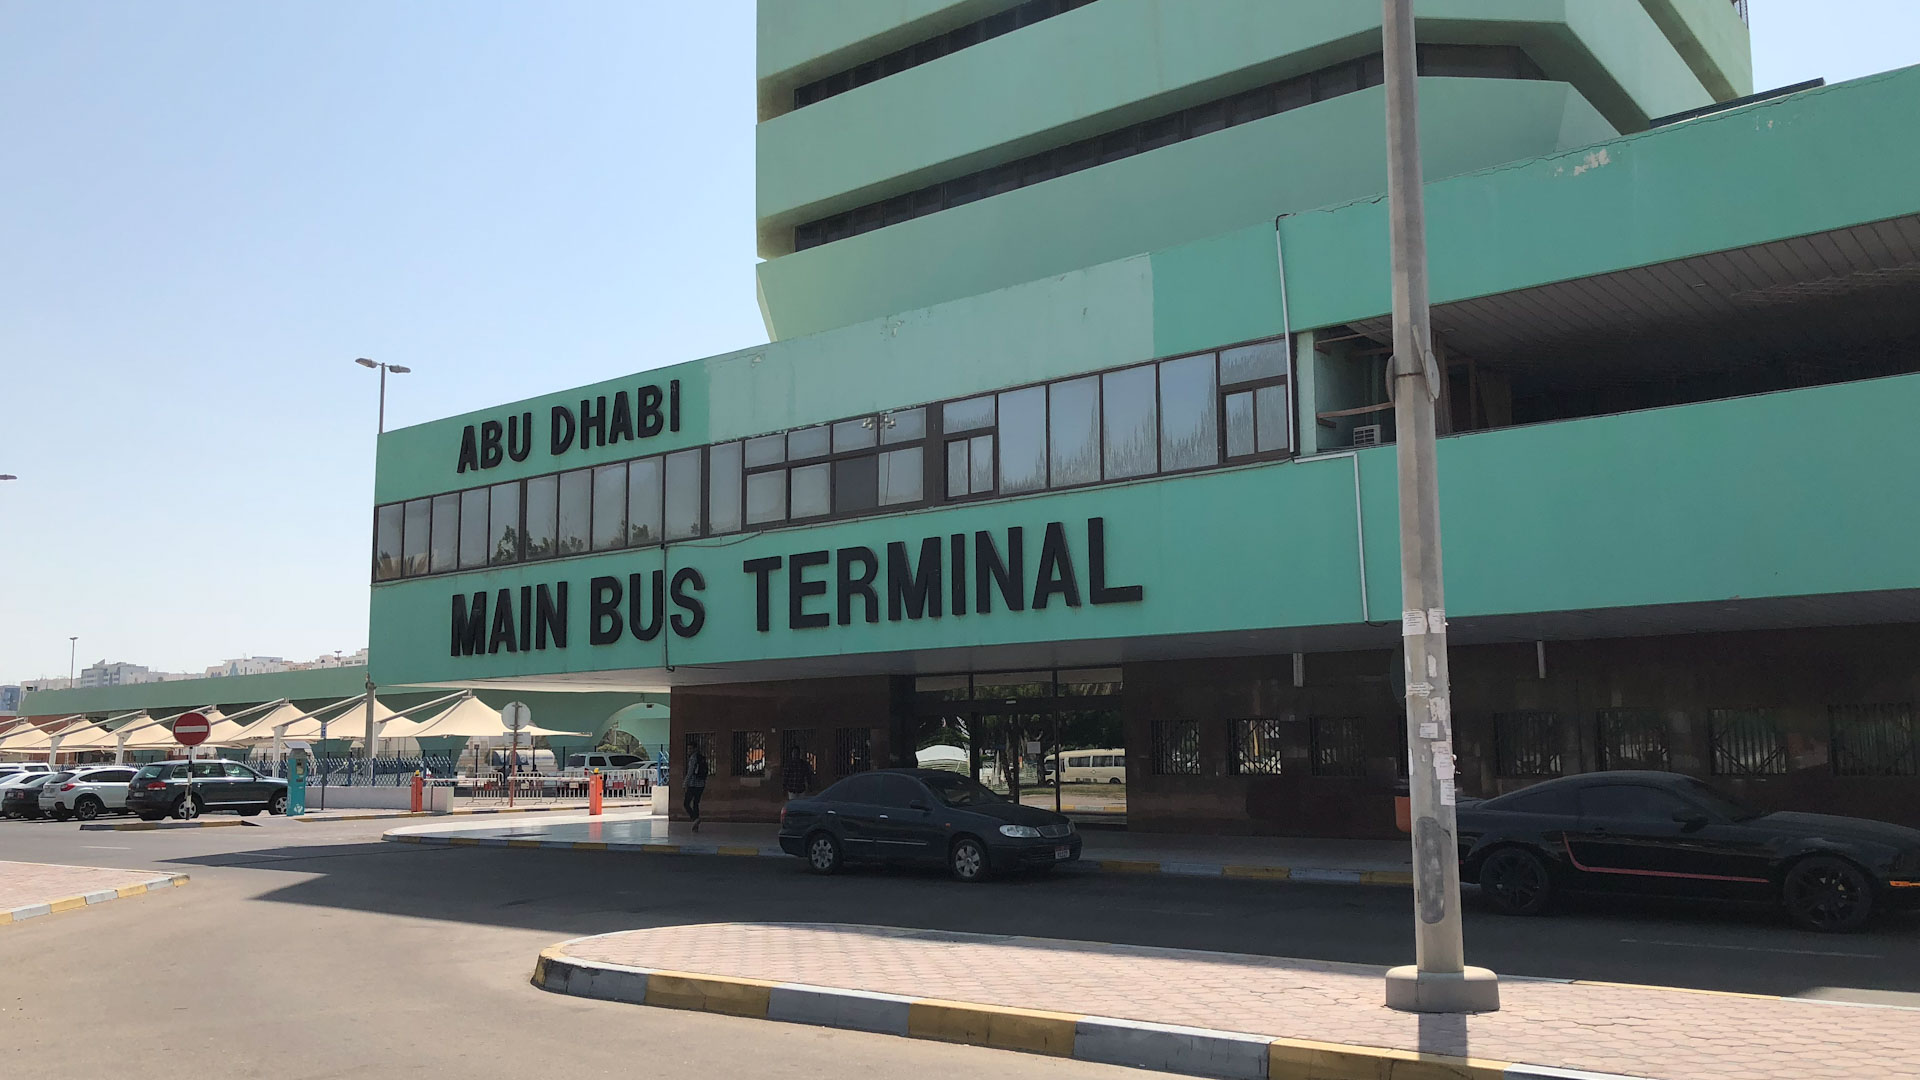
1052,739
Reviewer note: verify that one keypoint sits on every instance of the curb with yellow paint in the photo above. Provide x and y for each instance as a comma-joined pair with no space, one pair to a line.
1107,1040
152,826
101,896
1306,874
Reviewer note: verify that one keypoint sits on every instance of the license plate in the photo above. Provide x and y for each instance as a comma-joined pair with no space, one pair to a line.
1062,853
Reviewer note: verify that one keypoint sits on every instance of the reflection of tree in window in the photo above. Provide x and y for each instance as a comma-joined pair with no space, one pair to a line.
1189,424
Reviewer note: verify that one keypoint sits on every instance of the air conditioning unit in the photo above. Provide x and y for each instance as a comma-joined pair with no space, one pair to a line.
1367,435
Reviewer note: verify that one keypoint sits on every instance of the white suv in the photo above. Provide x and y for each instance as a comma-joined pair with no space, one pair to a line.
86,792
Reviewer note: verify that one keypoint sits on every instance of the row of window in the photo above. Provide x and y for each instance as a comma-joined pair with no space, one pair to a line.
1336,746
933,48
851,751
1352,76
1191,412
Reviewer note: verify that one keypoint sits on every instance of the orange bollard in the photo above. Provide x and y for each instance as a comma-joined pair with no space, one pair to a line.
419,793
595,785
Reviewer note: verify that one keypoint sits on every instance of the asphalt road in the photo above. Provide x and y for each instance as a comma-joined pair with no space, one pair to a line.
316,950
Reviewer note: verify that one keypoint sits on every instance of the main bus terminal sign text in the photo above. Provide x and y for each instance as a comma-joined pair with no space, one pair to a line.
950,576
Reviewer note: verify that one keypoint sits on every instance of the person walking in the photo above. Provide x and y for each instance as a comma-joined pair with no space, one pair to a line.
697,771
797,775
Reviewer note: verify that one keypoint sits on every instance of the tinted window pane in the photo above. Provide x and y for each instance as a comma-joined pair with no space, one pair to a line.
900,791
957,471
766,450
980,454
419,522
1629,803
543,505
856,484
1240,424
1261,360
1073,432
967,415
855,789
473,528
576,502
503,532
853,434
446,533
1189,426
610,507
807,443
766,496
643,501
811,491
683,495
1557,800
723,495
903,476
907,425
1130,423
387,526
1023,440
1270,403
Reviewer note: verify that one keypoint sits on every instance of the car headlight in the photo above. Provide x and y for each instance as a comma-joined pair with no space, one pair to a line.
1020,832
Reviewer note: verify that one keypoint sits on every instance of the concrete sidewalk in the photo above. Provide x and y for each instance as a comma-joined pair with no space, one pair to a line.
29,890
523,806
1341,862
1220,1014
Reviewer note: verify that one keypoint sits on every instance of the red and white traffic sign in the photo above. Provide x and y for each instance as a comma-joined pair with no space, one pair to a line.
191,729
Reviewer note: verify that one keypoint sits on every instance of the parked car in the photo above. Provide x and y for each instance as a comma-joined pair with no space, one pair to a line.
1668,834
20,794
14,768
925,816
86,792
581,764
160,789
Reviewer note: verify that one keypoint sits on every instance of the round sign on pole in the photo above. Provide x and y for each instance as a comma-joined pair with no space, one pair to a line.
515,715
191,729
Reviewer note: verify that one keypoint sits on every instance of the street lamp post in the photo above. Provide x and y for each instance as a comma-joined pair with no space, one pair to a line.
73,648
1439,980
397,369
8,476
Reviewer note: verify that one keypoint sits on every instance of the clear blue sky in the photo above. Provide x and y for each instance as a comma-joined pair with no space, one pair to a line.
212,208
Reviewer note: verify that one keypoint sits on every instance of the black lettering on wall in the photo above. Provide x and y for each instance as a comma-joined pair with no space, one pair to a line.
603,610
673,406
861,586
1099,592
553,617
696,611
560,432
520,436
762,570
526,618
800,590
469,451
503,624
957,571
650,629
593,422
913,592
490,433
650,422
989,571
1056,576
621,426
469,624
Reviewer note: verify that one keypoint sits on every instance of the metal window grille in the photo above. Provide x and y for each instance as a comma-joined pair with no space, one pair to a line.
796,743
1633,739
1176,747
1255,748
1746,742
701,741
852,750
1527,744
1873,740
749,753
1339,748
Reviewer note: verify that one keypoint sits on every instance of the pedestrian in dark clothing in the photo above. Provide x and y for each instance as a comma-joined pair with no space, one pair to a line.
797,775
697,771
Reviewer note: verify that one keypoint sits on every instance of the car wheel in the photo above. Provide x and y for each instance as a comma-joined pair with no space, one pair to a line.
87,808
186,808
1516,882
968,860
61,813
151,817
823,854
1827,894
277,804
1113,780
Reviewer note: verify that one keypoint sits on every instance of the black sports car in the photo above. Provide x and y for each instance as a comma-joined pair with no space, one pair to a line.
924,816
1664,833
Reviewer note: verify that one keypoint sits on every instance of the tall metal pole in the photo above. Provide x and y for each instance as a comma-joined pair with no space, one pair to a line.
383,401
1439,981
370,702
73,649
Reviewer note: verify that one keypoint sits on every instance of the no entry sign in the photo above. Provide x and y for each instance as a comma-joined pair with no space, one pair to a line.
191,729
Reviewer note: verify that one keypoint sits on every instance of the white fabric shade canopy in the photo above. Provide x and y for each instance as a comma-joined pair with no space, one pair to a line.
34,737
159,734
347,723
260,729
474,719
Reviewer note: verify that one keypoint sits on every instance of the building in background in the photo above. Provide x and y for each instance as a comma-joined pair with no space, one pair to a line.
116,673
251,665
1073,434
9,699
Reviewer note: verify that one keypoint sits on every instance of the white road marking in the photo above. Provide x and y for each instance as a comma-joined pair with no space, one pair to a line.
1754,948
102,847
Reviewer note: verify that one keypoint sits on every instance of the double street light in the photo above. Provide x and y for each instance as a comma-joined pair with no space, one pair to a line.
397,369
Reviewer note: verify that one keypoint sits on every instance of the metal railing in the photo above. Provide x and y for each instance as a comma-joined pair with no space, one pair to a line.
1741,7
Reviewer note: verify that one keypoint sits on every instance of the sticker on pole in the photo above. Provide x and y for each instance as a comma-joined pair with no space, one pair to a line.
191,729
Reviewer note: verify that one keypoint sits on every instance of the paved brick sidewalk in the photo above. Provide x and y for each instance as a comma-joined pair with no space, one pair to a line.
29,889
1640,1031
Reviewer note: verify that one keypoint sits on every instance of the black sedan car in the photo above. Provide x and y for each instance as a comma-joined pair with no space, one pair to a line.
1667,834
21,799
926,817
